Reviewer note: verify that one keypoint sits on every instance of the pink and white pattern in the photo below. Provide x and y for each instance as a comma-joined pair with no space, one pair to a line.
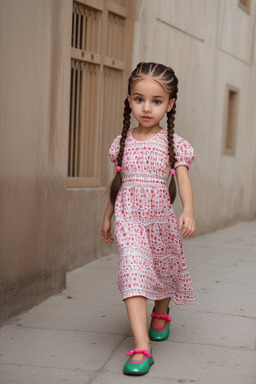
151,257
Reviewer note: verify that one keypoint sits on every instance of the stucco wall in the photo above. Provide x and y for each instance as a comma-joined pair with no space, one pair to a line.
209,44
34,111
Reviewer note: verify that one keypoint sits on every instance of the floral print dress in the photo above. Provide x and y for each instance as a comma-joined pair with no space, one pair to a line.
151,257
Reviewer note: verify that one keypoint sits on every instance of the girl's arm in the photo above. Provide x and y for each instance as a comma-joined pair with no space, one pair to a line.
106,226
186,220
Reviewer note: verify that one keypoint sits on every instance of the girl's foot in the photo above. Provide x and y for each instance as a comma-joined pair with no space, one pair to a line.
139,356
138,367
158,323
159,329
161,308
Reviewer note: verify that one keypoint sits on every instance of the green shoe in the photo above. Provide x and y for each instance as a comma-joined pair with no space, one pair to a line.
159,334
140,367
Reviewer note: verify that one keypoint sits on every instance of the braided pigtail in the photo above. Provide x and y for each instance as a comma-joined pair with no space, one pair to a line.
171,150
117,181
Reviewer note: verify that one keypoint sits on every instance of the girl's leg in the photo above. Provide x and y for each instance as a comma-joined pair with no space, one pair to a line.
161,307
137,313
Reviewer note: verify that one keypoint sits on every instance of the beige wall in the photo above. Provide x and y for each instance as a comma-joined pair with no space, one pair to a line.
34,44
209,44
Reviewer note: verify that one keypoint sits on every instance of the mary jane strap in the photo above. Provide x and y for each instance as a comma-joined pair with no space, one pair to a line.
135,351
163,317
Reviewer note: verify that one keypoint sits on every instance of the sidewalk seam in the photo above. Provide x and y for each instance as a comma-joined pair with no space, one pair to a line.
101,369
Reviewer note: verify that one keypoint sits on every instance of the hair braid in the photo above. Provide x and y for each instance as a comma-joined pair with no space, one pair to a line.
171,150
126,126
117,181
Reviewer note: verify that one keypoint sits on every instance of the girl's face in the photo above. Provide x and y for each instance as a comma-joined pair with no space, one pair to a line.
149,102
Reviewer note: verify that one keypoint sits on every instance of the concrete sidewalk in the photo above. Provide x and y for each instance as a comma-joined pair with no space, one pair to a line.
81,335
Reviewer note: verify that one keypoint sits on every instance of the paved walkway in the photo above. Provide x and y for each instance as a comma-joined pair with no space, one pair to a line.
81,335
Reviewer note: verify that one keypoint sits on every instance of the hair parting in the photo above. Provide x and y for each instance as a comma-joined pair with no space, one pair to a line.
166,77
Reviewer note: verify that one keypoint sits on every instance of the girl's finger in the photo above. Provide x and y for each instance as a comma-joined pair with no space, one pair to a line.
188,230
110,236
107,237
104,236
107,240
180,223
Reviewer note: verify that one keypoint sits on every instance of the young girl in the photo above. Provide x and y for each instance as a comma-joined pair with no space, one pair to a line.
151,260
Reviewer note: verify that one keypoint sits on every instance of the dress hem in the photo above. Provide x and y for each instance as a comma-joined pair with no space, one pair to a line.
149,297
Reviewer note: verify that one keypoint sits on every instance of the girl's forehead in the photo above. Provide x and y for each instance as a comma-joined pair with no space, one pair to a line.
148,84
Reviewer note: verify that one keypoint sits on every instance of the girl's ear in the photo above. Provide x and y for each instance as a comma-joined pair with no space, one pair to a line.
170,105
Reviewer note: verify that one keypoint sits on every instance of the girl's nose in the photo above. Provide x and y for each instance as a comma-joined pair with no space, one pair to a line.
146,106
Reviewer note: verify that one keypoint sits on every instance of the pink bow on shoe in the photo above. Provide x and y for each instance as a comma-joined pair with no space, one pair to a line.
164,317
133,352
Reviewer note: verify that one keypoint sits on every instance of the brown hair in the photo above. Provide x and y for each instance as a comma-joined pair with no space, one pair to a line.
165,76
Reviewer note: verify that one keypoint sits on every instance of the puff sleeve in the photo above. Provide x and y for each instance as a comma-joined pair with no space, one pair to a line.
185,153
114,149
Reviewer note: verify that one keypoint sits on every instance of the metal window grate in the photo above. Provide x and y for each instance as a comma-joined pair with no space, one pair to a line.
97,71
113,85
85,28
115,38
83,98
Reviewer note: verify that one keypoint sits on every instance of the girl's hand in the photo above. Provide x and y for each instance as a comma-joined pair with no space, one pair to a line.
187,224
106,232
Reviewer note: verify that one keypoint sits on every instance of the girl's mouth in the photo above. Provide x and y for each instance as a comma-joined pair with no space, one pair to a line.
146,118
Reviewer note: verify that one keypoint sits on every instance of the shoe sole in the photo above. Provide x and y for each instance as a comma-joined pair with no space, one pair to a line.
137,373
159,339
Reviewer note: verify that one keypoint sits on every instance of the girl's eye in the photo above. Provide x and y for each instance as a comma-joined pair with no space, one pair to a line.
138,99
157,102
